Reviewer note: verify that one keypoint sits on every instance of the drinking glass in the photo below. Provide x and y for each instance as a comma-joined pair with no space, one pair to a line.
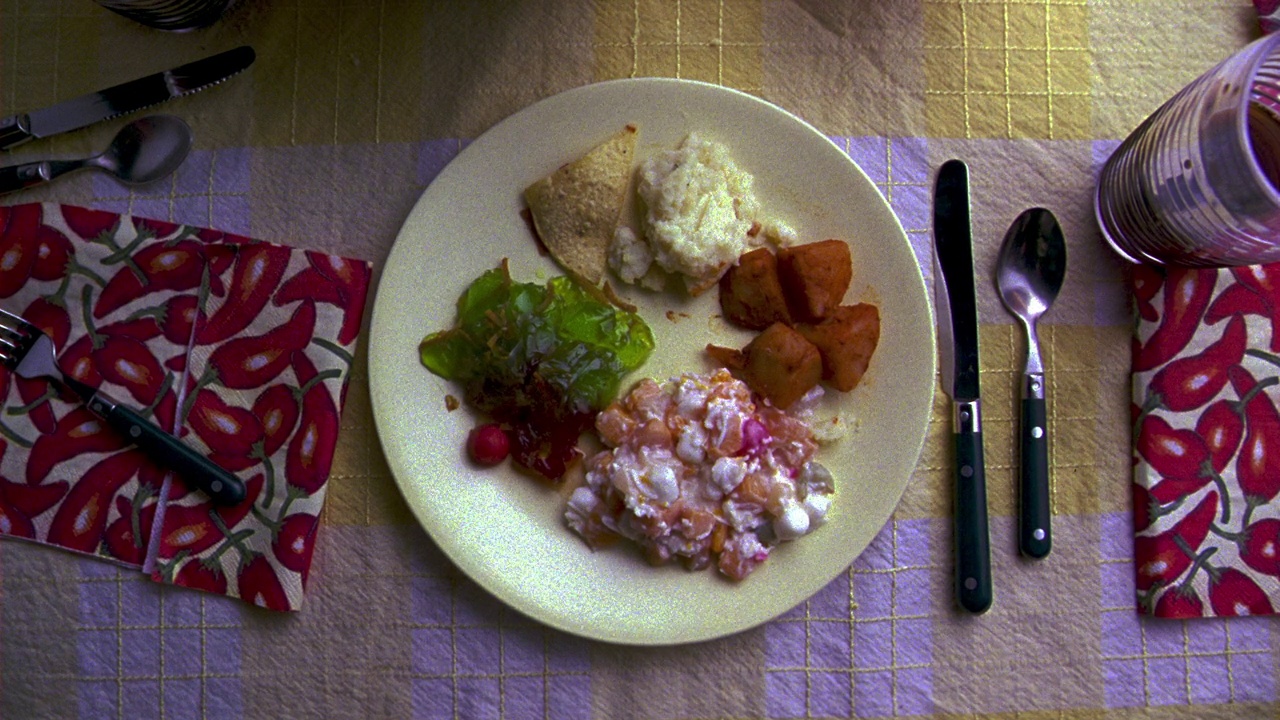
175,15
1197,182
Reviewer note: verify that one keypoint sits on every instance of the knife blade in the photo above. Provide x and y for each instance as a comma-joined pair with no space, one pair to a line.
958,346
125,98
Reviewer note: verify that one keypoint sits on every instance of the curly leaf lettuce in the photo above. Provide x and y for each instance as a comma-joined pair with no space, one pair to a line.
520,345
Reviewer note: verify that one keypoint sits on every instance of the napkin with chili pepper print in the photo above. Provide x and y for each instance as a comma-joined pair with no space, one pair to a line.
1206,410
241,347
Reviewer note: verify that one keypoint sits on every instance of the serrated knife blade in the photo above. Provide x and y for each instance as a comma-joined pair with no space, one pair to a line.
124,98
958,349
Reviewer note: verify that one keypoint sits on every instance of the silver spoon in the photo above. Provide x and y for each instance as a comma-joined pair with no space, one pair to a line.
144,151
1033,262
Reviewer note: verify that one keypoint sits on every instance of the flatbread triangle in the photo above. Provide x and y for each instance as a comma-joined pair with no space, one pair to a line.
577,208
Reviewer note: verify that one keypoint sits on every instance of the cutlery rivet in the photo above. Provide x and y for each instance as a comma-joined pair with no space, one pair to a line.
970,583
1037,432
1038,534
135,431
966,471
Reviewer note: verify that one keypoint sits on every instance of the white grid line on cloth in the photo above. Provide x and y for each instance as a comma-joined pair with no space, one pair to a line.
119,588
293,94
1008,106
679,28
501,625
377,98
1007,48
1048,74
1186,654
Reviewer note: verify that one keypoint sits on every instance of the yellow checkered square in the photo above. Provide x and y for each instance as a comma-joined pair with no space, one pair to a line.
712,42
1011,63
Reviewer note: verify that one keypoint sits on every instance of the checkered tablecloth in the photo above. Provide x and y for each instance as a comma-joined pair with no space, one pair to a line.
326,143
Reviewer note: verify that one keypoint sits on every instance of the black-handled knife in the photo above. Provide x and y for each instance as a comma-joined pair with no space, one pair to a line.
958,348
124,98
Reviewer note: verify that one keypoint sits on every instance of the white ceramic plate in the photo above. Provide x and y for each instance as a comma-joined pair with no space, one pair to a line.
504,529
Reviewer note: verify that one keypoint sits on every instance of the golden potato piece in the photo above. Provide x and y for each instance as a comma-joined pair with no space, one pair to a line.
576,209
781,365
815,277
750,294
730,359
846,339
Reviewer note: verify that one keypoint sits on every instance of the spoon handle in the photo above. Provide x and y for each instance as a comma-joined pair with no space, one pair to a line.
25,175
20,177
1034,533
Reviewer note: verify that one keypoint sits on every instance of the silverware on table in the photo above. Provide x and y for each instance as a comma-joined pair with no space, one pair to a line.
124,98
958,350
1029,274
144,151
30,353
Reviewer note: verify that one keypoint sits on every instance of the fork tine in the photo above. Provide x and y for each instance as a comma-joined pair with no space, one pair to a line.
12,321
12,333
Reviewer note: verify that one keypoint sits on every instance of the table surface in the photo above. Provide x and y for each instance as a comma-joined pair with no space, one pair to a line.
349,112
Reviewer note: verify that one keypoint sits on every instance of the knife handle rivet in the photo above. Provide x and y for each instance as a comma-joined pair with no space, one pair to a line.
1037,432
1038,534
967,471
970,583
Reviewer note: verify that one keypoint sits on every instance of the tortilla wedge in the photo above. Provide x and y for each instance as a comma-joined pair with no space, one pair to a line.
577,208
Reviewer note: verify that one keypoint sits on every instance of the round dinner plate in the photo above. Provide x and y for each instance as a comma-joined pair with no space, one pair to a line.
506,530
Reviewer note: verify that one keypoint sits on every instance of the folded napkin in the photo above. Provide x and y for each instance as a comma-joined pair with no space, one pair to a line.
1206,381
241,347
1268,14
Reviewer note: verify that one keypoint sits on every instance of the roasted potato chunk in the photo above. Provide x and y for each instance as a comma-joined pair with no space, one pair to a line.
730,359
846,340
750,293
815,277
781,365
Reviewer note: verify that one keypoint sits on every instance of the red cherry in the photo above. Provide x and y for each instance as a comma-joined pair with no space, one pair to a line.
488,444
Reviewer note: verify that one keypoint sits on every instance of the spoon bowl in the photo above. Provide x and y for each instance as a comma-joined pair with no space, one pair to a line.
1032,265
146,149
1029,275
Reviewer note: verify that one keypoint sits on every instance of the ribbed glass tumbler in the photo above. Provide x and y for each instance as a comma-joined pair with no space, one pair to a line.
1198,182
175,15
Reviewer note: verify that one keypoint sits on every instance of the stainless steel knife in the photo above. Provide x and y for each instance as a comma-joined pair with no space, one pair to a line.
958,349
124,98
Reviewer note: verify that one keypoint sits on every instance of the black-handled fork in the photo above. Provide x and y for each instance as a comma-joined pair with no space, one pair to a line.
30,353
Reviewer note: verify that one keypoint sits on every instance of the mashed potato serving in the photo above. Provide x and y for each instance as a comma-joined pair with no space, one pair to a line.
700,215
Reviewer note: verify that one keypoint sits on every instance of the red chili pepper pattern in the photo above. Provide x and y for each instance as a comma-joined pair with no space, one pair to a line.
254,361
197,575
311,449
1187,292
1161,559
1206,414
127,536
259,584
258,270
295,541
1232,592
158,267
209,332
82,517
19,247
1190,382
